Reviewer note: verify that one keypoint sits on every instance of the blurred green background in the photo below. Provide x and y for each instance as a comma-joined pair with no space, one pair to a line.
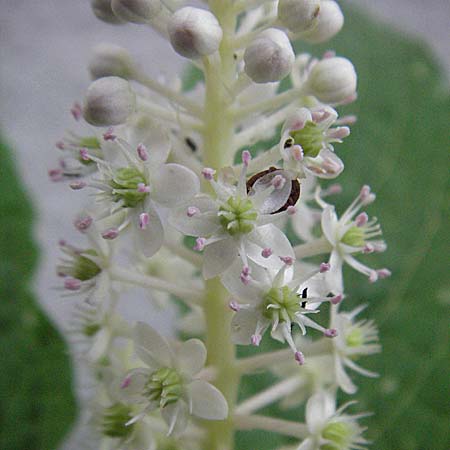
399,146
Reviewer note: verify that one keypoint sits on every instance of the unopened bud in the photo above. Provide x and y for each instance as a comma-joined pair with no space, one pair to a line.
329,22
194,32
110,60
269,57
136,11
109,101
103,11
332,80
298,15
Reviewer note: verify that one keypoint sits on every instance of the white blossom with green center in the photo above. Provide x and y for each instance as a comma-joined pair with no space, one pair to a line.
170,382
306,142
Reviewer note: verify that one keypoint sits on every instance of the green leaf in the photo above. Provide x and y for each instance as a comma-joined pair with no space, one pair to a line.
37,406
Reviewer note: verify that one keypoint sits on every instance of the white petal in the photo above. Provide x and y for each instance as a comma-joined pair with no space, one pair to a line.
329,224
344,381
207,401
191,356
113,220
176,416
150,239
307,444
144,130
200,224
131,391
152,348
333,278
327,165
174,185
218,257
243,326
320,407
359,369
303,222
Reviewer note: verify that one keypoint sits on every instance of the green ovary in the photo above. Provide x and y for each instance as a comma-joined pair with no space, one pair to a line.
90,142
237,216
310,138
84,268
355,338
125,186
339,434
281,302
114,419
164,386
354,237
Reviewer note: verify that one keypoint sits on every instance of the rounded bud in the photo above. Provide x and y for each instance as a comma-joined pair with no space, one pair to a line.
109,101
103,11
269,57
332,80
110,60
136,11
329,22
194,32
298,15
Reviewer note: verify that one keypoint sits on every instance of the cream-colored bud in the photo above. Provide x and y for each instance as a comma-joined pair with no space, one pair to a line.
194,32
109,101
332,80
298,15
103,11
136,11
110,60
269,57
329,22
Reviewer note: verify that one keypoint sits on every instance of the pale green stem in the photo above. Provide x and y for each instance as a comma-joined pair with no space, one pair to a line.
190,295
313,248
280,426
218,134
270,395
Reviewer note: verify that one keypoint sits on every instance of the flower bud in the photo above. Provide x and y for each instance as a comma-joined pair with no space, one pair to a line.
102,9
332,80
136,11
108,101
298,15
329,22
194,32
110,60
269,57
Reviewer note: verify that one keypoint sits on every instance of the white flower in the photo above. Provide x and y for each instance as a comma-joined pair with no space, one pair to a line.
136,11
349,235
238,222
169,381
306,142
132,190
355,339
275,299
299,15
329,428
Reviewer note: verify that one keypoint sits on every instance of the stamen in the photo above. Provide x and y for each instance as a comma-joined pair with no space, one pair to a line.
55,175
361,219
368,248
324,267
110,234
76,111
366,195
334,189
126,382
144,220
234,306
109,135
299,357
84,154
330,333
288,260
142,152
266,252
199,244
246,157
329,54
77,185
278,182
384,273
143,188
337,299
373,276
208,173
83,223
192,211
338,133
291,210
256,339
245,275
60,145
297,152
72,284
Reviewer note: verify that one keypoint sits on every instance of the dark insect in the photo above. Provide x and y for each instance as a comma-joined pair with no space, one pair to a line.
304,295
295,190
191,144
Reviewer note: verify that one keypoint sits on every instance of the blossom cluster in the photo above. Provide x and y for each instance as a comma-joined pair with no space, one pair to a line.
178,188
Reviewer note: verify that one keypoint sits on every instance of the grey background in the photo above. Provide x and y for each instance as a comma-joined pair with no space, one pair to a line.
44,47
